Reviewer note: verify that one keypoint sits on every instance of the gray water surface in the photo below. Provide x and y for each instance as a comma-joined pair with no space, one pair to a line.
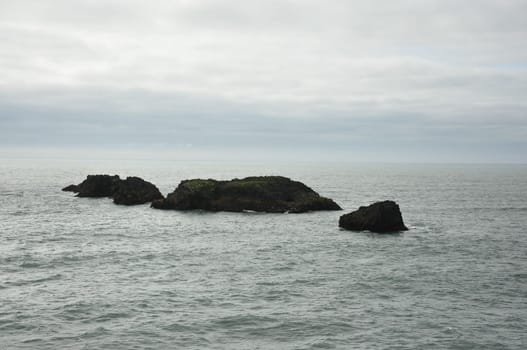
80,273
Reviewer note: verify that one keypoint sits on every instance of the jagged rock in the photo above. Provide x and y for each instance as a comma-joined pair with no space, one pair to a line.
135,190
379,217
274,194
98,186
71,188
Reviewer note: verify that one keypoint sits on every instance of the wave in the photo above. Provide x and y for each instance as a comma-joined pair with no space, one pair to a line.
18,283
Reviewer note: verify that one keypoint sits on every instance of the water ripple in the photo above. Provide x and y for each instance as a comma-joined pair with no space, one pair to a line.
86,274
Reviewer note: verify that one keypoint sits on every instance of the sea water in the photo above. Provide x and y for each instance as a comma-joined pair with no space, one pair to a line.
82,273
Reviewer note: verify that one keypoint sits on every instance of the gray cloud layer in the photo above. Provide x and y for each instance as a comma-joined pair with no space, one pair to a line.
391,80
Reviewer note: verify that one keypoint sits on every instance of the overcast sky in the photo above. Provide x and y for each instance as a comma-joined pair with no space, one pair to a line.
357,80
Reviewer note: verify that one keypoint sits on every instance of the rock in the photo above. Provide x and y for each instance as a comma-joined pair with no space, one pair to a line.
135,190
273,194
379,217
71,188
98,186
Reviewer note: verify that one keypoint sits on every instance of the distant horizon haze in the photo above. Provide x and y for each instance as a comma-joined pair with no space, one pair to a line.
185,154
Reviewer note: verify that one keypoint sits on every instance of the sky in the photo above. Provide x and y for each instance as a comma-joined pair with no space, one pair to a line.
354,80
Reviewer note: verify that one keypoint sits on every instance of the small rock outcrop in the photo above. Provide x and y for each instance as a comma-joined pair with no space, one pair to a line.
133,190
98,186
272,194
71,188
381,217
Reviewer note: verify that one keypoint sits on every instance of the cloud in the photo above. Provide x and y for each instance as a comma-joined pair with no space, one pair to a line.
335,76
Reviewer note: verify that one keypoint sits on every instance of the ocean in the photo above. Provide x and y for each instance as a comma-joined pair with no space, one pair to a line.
82,273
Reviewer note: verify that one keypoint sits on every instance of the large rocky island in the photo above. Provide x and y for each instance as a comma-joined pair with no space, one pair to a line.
133,190
272,194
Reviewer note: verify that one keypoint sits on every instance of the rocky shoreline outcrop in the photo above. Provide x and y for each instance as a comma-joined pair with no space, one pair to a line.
271,194
381,217
95,186
130,191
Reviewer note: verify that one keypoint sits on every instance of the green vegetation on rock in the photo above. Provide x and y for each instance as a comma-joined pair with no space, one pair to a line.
275,194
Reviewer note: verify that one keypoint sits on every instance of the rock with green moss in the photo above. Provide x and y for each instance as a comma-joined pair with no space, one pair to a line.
272,194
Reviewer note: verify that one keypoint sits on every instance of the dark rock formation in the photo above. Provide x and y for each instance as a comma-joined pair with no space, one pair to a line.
98,186
379,217
273,194
135,190
71,188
